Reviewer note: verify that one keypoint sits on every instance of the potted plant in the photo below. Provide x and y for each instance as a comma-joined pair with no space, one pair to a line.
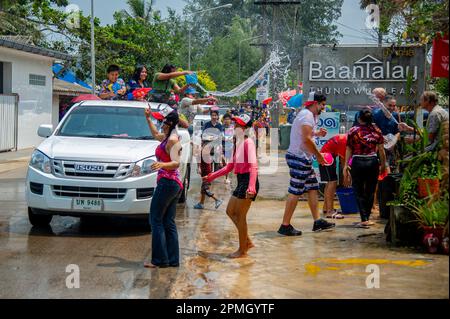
432,217
429,177
402,228
425,171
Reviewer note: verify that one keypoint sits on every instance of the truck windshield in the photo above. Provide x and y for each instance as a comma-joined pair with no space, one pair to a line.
106,122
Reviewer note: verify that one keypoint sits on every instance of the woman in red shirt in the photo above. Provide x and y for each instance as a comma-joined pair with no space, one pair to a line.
336,146
363,142
245,166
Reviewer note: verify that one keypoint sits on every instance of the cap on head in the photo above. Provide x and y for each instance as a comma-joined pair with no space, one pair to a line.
314,97
243,120
162,112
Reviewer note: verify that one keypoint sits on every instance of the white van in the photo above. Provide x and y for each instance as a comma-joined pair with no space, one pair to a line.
97,162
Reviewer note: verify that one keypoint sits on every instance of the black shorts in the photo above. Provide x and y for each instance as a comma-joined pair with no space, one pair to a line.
328,173
242,186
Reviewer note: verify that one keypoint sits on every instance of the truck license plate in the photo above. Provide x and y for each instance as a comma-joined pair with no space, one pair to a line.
87,204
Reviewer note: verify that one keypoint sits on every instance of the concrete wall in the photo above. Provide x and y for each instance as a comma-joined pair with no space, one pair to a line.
35,102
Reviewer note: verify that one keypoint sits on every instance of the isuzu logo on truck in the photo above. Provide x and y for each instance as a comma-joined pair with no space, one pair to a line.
89,168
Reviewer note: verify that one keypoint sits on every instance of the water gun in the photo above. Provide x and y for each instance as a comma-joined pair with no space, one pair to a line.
114,87
140,93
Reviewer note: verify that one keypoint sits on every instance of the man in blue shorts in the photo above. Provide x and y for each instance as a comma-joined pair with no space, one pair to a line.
299,158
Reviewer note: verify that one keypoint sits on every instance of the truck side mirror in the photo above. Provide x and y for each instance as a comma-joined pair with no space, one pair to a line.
45,130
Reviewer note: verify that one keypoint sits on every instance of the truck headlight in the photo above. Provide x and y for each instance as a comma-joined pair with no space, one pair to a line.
143,167
41,162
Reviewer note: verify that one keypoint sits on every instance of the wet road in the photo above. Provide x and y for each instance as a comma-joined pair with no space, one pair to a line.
110,253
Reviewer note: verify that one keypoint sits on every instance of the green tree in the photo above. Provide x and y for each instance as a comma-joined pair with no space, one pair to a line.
294,27
140,10
412,21
221,57
31,18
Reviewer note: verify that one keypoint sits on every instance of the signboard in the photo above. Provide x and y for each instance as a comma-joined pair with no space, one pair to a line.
439,60
262,87
348,74
329,121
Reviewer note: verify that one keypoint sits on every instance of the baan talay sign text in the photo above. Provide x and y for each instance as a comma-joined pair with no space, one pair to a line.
347,75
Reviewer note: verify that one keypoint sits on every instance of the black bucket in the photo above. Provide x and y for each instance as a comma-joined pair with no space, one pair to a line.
387,190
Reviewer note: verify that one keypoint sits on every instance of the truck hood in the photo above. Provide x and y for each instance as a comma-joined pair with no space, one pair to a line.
98,149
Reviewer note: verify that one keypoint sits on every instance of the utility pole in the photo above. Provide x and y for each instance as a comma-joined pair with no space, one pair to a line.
92,48
275,109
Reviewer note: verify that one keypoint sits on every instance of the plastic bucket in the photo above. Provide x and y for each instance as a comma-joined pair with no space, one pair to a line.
387,189
347,200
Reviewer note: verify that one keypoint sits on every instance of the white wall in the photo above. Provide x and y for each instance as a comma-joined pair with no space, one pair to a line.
35,102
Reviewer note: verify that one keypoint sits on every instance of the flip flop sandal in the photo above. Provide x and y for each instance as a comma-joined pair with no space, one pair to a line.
336,215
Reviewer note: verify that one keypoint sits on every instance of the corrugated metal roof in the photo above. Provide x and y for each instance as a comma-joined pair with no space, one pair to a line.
67,88
24,39
26,47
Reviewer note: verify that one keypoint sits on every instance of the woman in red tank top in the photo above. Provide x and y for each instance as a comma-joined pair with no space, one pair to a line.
165,248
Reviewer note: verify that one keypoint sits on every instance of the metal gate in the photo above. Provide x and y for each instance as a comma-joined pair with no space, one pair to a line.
8,121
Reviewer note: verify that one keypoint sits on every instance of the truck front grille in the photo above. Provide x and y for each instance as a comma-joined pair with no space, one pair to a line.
89,192
65,168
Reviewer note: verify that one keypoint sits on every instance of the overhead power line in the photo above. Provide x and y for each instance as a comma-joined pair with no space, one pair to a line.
350,28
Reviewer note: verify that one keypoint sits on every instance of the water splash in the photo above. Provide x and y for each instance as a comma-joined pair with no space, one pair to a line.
278,66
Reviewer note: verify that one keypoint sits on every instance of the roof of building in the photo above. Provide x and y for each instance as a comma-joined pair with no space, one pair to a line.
65,74
24,44
66,88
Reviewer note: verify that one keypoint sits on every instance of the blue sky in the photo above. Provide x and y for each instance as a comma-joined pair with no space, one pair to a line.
352,16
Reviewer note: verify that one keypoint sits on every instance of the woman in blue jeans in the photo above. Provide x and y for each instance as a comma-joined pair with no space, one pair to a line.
165,249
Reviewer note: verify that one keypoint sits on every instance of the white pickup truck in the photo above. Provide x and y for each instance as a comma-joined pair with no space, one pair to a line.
97,162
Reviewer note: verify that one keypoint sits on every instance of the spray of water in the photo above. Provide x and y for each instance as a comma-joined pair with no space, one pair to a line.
278,65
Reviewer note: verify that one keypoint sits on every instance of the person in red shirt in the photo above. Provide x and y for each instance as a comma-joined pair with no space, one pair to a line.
245,166
336,146
365,148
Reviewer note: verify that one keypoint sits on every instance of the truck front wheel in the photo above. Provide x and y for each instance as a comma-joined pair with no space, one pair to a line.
39,220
